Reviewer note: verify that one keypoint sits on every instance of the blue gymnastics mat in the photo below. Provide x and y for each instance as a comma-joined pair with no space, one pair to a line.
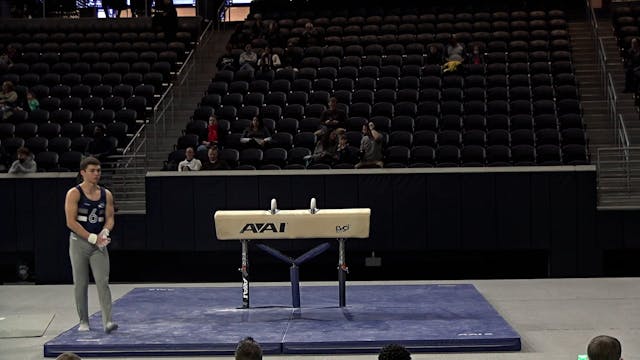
207,321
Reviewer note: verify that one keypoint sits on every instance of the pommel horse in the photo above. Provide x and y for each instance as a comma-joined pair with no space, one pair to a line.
276,224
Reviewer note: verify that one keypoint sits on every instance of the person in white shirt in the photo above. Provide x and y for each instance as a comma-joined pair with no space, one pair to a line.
190,163
248,59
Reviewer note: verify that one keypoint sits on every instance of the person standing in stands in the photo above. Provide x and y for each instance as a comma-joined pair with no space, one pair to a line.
631,63
89,213
604,347
248,349
24,164
165,19
190,163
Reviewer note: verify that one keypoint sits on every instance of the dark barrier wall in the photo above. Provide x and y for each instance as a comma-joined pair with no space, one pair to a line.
412,214
551,209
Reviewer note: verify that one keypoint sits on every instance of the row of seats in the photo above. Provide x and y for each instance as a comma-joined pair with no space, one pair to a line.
626,24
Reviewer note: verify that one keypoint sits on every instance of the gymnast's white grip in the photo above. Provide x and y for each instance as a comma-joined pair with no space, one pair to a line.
292,224
93,238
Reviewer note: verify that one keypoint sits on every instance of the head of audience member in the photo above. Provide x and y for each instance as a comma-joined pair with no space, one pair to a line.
433,50
394,352
30,96
189,153
256,123
273,27
98,132
366,129
308,27
266,51
453,41
604,347
333,104
7,86
248,49
248,349
23,154
68,356
634,43
343,141
476,50
213,120
213,154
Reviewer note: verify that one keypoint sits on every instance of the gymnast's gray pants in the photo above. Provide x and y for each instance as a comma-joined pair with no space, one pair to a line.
84,257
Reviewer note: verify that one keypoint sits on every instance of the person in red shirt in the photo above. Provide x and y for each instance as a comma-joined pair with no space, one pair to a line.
212,134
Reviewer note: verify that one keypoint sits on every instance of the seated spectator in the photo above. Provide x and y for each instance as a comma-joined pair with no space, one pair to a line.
268,61
394,352
311,36
248,349
190,163
291,58
332,118
8,99
434,56
631,63
476,56
24,164
604,347
212,134
214,163
326,149
370,147
256,135
273,36
227,61
248,59
454,48
8,56
344,152
30,103
68,356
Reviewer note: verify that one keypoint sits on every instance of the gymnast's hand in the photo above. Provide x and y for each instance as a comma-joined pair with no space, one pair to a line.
103,238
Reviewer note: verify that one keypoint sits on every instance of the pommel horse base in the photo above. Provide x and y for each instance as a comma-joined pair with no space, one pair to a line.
276,224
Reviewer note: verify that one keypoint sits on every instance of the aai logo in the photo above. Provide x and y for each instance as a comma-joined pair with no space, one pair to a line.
342,228
259,228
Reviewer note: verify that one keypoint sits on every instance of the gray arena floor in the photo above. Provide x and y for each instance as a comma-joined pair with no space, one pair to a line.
555,317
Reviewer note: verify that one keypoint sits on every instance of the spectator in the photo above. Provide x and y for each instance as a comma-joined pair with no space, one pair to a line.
332,118
165,19
31,103
604,347
190,163
394,352
344,152
24,164
631,63
68,356
212,134
310,36
248,59
273,36
434,56
214,163
476,56
370,147
6,58
326,149
227,61
292,56
256,135
258,29
454,49
268,61
8,99
248,349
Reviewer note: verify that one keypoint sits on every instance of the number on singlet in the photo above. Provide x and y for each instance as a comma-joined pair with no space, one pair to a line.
93,217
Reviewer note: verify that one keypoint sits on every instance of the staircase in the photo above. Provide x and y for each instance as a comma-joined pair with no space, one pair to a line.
125,176
600,128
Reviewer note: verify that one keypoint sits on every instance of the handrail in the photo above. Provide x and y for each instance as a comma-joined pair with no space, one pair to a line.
624,136
135,136
155,108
